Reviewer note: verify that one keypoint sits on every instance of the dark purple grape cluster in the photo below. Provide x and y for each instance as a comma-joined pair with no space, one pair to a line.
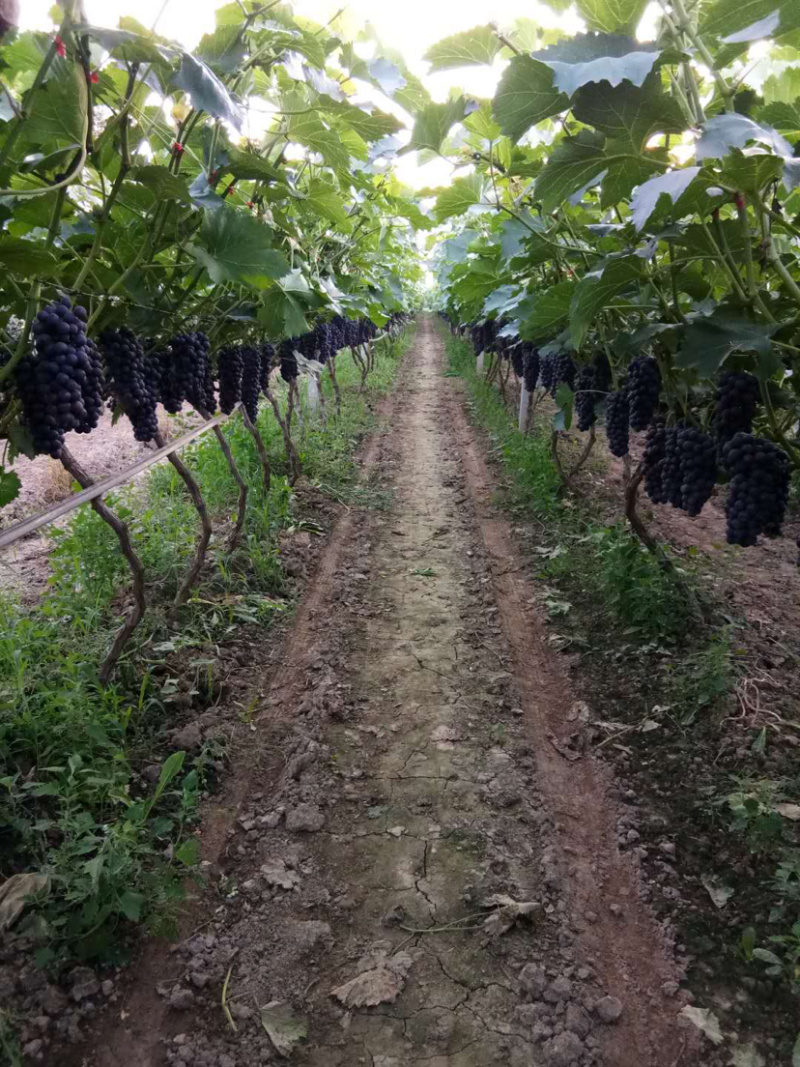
251,380
188,375
737,400
547,372
585,399
564,371
230,364
129,385
288,360
698,467
671,475
617,423
644,385
680,466
759,489
517,354
531,366
60,383
654,459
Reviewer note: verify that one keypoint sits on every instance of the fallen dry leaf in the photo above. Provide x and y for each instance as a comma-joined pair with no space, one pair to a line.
380,985
14,893
508,912
704,1020
284,1029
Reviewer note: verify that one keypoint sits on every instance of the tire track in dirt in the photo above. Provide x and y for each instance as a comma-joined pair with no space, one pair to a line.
419,789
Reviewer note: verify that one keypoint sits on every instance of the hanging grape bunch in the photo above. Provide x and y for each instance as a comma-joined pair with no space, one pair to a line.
531,366
288,360
128,381
585,398
60,383
617,424
564,370
547,371
229,369
759,490
187,372
698,468
654,459
251,380
518,360
644,385
736,402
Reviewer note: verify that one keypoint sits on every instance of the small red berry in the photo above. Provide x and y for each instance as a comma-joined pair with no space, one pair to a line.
177,147
61,48
250,203
94,78
739,200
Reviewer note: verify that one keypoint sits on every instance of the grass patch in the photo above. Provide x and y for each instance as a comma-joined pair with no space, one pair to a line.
73,801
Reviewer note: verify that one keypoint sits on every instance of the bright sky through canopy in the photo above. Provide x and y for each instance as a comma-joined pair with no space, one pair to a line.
410,27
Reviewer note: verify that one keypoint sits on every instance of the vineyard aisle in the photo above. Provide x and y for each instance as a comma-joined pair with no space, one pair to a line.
416,721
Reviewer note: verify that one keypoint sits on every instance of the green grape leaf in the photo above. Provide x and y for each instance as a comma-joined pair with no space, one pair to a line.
525,96
724,132
328,203
550,312
708,342
470,48
372,125
590,57
726,18
309,130
571,166
223,50
610,16
233,246
162,182
595,291
629,115
26,258
782,116
60,115
673,184
207,91
458,197
433,123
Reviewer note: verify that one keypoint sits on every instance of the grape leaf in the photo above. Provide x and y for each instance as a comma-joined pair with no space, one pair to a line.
608,16
26,258
724,132
470,48
235,247
207,91
59,117
593,58
526,95
646,197
708,342
458,197
727,17
572,165
162,182
550,312
595,291
223,50
433,124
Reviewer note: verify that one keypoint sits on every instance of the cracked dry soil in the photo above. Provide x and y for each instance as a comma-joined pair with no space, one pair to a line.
418,713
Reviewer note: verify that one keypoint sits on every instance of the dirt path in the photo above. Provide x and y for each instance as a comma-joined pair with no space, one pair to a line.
418,718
